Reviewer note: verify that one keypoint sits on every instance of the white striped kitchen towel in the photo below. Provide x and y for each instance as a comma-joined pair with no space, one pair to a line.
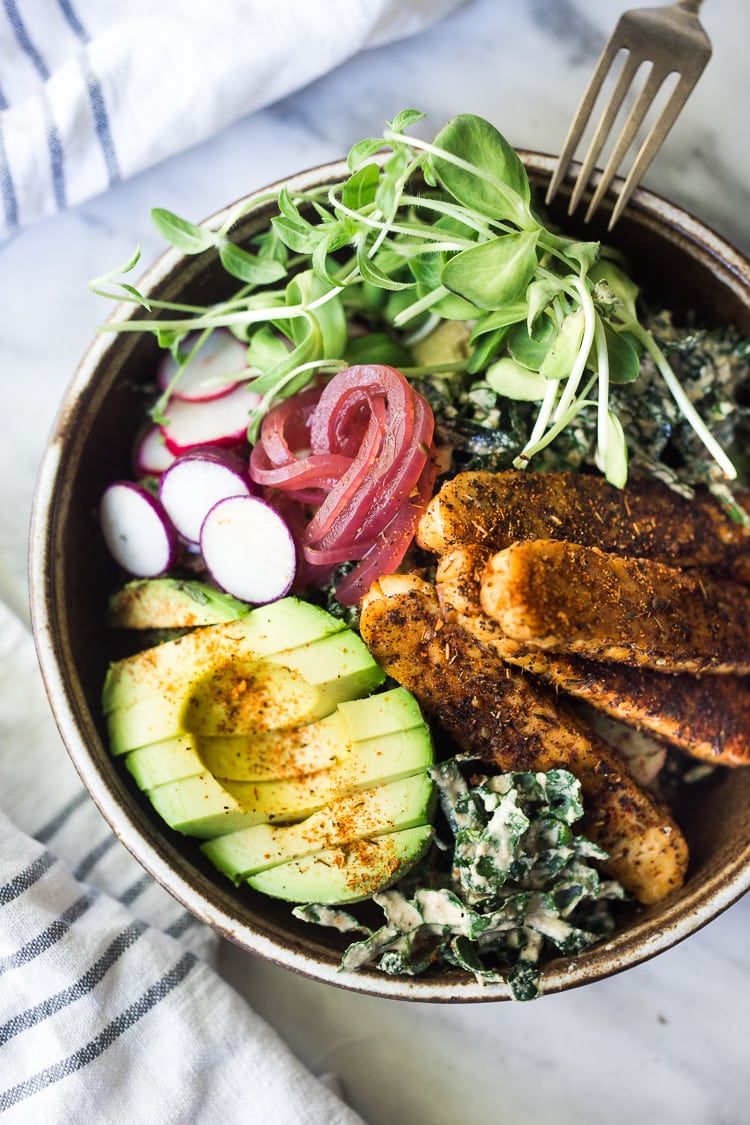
110,1008
92,91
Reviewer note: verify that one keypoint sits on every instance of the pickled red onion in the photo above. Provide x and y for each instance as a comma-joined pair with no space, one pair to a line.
360,451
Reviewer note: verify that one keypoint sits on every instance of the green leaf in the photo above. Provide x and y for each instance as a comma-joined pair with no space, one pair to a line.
133,292
181,234
541,293
300,239
530,348
389,183
329,317
559,360
489,345
624,355
266,348
586,254
377,347
499,318
501,187
363,150
372,273
249,267
338,235
493,273
427,270
512,380
405,119
359,190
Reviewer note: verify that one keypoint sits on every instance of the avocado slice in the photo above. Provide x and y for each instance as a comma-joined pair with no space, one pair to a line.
170,760
171,667
314,746
205,806
273,755
171,603
352,872
408,803
284,690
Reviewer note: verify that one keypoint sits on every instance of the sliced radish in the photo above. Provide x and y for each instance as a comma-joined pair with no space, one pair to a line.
197,480
248,549
222,421
219,365
150,455
137,530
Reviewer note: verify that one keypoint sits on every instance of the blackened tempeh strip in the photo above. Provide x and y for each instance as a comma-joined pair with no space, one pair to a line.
707,717
507,720
646,519
574,600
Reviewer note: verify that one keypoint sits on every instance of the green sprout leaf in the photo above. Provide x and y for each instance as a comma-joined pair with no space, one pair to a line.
489,176
510,379
181,234
493,273
249,267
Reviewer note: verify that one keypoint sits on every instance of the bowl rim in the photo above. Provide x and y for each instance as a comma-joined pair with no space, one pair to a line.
615,955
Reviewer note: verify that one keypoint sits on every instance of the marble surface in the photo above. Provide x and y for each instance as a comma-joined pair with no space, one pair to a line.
664,1041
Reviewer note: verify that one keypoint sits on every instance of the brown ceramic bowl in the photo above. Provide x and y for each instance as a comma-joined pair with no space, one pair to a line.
676,259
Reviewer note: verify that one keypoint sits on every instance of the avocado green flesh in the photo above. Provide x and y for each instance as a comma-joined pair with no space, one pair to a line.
171,603
162,762
261,736
196,805
278,754
389,807
171,668
350,873
284,691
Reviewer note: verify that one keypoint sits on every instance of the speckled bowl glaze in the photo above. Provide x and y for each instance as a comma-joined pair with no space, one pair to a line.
676,259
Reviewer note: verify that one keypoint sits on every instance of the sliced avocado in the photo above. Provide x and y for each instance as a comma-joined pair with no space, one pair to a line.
171,760
171,667
201,806
352,872
171,603
277,754
385,713
313,746
408,803
284,690
280,692
274,754
198,805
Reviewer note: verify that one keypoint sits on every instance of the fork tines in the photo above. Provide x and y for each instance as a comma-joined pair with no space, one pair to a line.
672,41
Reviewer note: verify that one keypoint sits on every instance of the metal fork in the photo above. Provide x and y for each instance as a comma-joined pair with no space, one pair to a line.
673,41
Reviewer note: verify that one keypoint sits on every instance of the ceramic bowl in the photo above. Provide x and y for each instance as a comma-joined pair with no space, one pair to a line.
677,260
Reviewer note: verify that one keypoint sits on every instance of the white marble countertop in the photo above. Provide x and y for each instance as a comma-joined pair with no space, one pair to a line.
664,1041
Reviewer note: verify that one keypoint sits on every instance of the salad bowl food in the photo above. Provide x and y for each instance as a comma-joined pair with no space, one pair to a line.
91,508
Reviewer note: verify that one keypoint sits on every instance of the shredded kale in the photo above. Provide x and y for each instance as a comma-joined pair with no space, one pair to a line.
521,886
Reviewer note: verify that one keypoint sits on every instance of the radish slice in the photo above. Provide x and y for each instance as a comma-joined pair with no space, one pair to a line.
222,421
151,456
219,365
136,530
248,549
195,482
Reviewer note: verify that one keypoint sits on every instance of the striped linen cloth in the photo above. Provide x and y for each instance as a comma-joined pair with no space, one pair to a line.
93,91
110,1007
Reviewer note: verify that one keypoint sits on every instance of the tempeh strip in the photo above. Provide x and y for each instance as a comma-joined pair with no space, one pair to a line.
646,519
576,600
508,721
707,717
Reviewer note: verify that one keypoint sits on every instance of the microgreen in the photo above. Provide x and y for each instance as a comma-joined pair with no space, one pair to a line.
420,232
